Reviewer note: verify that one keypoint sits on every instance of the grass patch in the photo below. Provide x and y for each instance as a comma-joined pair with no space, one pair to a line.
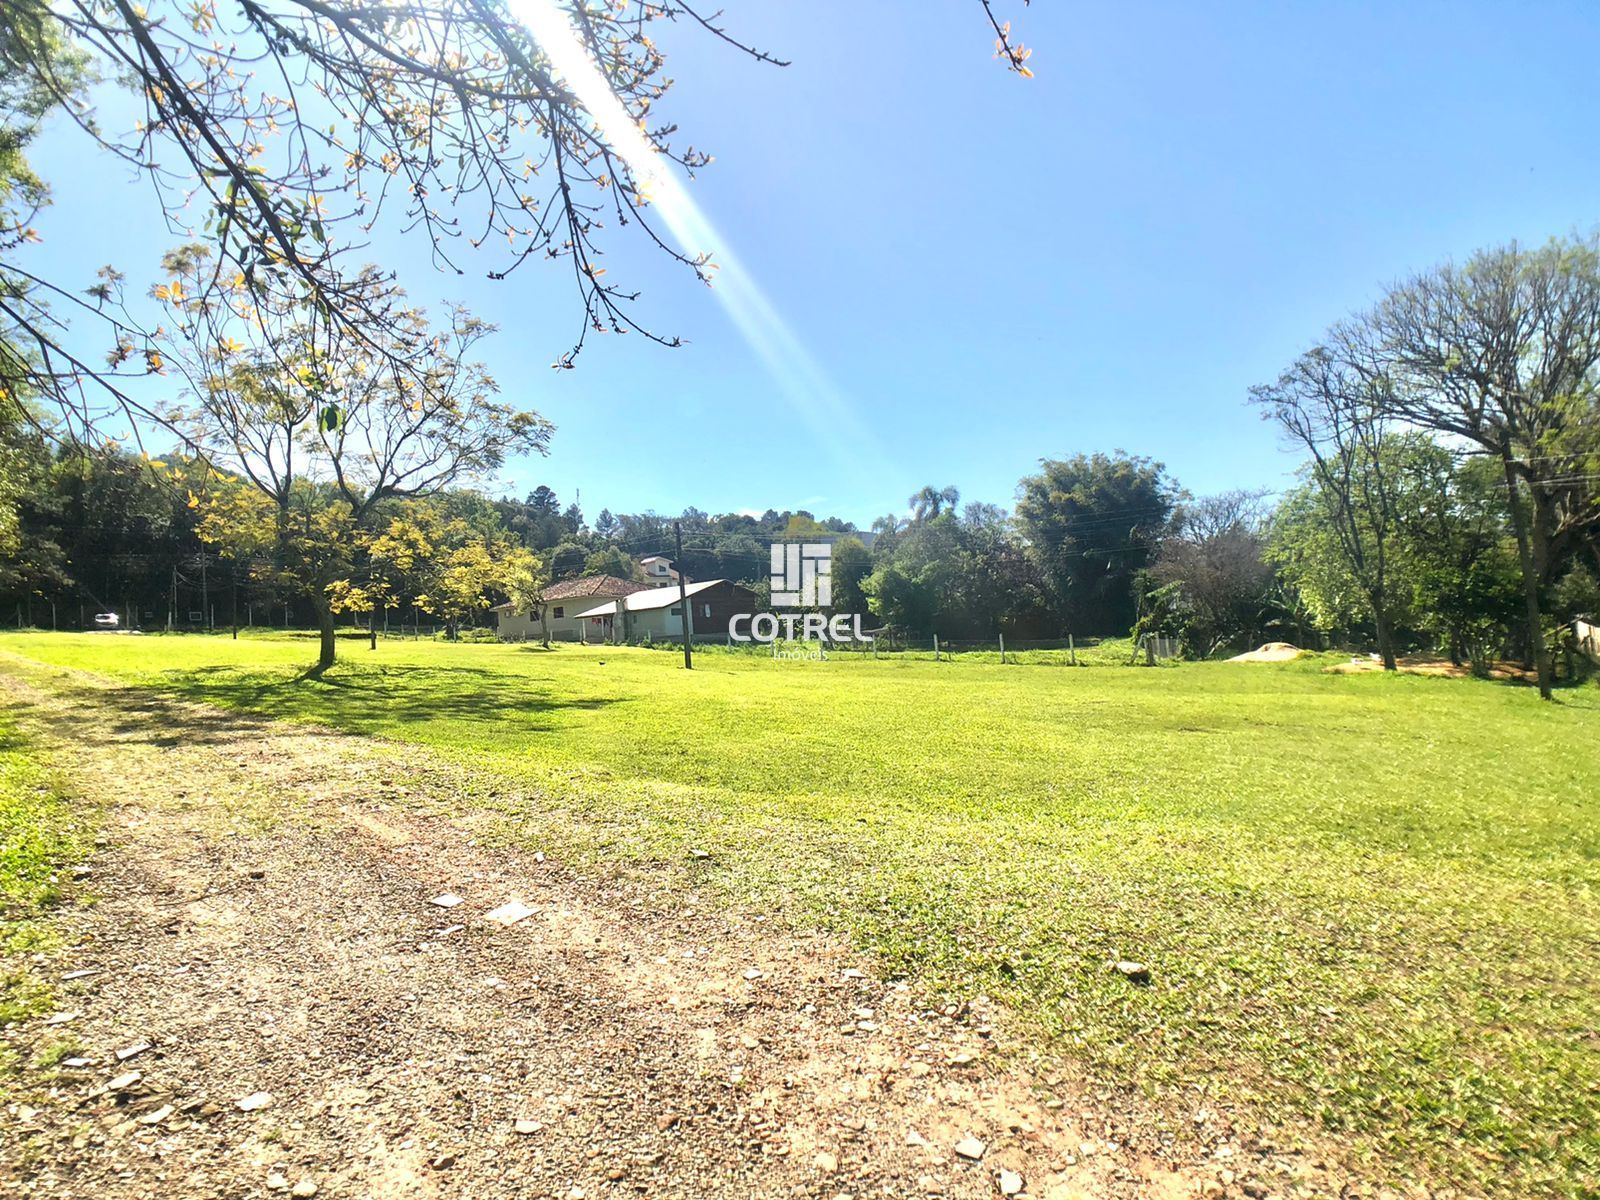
1370,903
40,835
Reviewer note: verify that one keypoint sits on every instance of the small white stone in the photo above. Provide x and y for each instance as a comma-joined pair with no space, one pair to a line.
509,913
971,1148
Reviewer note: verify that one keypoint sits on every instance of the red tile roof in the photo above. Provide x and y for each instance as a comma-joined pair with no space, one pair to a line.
592,585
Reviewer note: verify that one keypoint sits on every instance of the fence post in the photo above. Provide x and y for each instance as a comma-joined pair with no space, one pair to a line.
936,647
1072,650
1002,648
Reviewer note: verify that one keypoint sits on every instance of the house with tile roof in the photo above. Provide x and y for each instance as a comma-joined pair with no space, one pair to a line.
559,608
656,614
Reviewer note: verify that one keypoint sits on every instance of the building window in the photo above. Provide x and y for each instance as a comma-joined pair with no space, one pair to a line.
705,611
560,610
677,612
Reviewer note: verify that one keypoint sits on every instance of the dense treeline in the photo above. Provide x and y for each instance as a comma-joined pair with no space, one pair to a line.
1098,544
1449,501
1496,361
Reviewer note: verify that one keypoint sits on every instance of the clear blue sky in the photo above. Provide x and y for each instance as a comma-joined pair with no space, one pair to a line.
990,270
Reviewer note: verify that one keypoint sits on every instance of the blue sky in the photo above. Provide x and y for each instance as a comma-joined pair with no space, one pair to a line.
984,270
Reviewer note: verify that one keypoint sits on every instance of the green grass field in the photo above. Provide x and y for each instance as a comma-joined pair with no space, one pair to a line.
1367,902
40,836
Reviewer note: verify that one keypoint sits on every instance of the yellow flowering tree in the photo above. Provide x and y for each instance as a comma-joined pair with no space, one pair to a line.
319,429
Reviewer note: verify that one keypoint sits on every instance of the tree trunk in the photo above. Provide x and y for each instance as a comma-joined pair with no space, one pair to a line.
372,630
1385,638
325,655
1528,555
1543,654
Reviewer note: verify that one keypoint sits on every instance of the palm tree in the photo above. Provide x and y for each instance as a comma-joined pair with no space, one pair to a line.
931,501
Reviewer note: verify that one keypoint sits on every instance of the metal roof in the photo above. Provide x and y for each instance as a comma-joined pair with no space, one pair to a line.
662,597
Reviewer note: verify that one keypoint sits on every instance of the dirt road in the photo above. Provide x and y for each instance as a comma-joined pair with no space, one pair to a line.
261,919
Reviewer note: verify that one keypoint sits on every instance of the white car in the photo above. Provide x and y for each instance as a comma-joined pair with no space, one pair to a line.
107,620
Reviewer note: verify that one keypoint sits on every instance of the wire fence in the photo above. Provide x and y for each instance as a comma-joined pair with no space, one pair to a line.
897,646
882,644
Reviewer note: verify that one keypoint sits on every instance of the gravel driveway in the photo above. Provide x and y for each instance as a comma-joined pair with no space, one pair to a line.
298,1012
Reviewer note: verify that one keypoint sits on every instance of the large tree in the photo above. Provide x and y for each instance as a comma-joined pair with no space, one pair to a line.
1333,403
930,501
1212,565
39,68
960,575
1092,523
1504,352
852,564
1458,555
320,426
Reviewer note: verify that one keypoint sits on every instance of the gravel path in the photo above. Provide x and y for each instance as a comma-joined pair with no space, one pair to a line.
298,1016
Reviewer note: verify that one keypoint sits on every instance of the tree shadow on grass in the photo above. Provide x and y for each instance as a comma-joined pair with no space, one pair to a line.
214,705
374,698
107,716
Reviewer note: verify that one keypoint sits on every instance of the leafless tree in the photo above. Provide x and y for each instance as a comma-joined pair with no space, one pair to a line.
1504,352
1213,555
1334,403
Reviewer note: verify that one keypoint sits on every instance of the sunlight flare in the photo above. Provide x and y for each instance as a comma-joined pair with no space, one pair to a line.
826,414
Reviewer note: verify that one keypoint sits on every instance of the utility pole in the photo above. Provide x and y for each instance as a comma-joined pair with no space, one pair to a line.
683,601
205,594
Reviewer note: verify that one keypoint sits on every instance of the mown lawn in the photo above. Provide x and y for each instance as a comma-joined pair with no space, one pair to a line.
1367,902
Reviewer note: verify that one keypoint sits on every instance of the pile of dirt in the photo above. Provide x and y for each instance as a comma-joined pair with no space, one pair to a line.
1430,665
1272,652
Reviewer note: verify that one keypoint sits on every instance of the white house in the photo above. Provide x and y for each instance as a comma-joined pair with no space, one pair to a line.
1587,634
657,614
658,570
559,608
